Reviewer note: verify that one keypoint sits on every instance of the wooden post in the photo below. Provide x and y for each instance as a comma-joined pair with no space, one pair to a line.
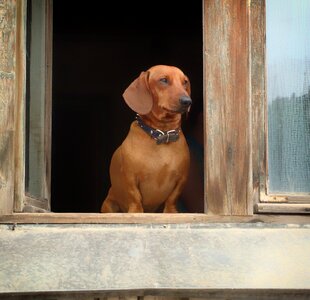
227,107
7,103
258,100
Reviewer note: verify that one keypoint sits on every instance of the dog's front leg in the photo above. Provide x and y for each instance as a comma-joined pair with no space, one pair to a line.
171,202
135,201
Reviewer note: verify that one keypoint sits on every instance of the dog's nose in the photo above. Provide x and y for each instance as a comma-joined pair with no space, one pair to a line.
185,101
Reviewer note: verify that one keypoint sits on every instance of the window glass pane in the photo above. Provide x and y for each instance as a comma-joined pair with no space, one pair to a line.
288,95
35,149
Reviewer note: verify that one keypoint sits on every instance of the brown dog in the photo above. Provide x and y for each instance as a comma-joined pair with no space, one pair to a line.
150,168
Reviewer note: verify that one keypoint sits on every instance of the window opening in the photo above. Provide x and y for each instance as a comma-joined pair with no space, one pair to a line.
96,54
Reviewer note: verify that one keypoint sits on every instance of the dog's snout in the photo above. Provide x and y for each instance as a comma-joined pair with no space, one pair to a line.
185,101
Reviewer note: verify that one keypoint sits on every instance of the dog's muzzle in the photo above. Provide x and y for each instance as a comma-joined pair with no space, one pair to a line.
185,103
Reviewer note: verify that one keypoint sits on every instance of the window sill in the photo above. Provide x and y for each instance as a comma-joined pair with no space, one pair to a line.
189,259
146,218
284,208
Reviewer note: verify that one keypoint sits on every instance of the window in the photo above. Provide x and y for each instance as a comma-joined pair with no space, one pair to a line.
288,104
38,106
288,87
28,187
226,65
235,165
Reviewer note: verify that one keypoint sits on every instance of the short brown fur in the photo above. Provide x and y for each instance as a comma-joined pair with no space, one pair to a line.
144,175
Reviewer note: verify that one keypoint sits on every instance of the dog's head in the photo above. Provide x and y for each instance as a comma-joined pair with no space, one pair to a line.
161,89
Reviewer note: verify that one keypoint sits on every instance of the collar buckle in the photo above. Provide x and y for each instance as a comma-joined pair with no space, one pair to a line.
166,137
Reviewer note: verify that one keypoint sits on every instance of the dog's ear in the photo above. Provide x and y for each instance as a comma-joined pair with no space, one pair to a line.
138,96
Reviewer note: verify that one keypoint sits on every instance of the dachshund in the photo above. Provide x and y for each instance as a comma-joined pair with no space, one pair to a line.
150,168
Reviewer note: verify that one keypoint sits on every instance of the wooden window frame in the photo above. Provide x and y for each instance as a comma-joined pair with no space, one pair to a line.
235,133
236,110
38,106
12,110
264,201
23,200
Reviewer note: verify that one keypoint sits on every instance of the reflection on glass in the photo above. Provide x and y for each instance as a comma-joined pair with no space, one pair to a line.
288,94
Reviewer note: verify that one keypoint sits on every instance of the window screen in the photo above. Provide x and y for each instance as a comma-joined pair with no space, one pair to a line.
288,95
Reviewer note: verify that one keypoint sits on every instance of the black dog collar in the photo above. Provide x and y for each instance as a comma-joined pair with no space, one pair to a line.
161,137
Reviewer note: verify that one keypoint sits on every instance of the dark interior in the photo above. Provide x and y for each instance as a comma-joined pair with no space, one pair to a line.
98,50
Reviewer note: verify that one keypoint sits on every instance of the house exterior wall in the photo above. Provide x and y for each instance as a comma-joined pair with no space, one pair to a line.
82,261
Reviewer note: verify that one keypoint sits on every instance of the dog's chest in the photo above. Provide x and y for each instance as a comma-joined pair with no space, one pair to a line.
164,160
163,168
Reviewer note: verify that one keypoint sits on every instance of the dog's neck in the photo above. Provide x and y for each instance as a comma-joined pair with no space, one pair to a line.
165,122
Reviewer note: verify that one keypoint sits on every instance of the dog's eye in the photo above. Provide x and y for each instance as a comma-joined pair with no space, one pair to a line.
185,82
164,80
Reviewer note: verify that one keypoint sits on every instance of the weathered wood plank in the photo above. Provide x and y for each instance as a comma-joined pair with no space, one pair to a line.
286,208
183,294
163,298
6,171
227,140
93,218
19,140
48,102
74,296
7,97
175,258
258,100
